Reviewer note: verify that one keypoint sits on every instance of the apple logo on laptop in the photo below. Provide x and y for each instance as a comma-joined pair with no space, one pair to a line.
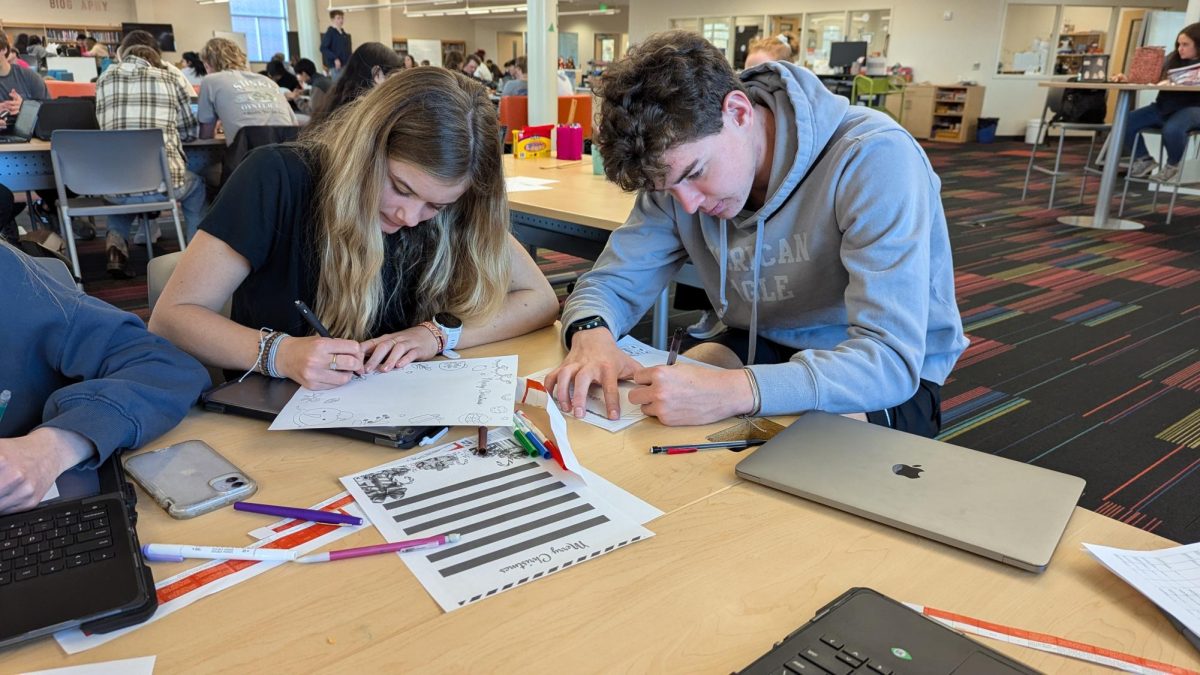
907,471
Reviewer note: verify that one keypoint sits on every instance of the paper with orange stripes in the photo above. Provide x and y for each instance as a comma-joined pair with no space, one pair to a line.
1049,643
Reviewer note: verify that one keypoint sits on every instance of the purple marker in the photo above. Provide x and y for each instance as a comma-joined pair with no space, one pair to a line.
396,547
299,514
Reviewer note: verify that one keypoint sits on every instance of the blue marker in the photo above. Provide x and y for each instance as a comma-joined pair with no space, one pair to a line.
5,397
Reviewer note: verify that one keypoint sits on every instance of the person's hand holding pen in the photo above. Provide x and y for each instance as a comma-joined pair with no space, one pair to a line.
321,361
680,394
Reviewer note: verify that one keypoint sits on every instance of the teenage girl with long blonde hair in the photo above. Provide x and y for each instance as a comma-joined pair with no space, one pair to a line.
389,220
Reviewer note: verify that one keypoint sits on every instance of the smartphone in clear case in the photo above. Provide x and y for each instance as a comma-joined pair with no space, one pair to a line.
189,478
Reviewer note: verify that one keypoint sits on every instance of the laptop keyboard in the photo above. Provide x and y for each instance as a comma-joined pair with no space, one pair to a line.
54,540
831,655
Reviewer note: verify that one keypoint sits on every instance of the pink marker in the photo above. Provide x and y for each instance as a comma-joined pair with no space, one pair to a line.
396,547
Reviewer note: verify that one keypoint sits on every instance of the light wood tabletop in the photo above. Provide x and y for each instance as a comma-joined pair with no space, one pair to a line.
579,195
732,568
1115,86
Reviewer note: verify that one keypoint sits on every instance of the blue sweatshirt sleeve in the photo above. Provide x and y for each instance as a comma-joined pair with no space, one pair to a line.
889,210
132,386
638,261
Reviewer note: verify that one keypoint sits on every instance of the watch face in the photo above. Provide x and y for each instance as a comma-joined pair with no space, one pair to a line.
447,320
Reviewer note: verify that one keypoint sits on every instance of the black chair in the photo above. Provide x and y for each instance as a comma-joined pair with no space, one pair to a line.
1065,117
249,138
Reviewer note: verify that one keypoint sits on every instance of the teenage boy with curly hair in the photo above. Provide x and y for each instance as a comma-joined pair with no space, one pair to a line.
816,229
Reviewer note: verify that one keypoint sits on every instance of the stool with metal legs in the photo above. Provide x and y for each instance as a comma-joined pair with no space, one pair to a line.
1054,104
1175,184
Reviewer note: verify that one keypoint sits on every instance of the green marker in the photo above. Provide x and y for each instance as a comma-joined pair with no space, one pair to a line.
524,442
5,397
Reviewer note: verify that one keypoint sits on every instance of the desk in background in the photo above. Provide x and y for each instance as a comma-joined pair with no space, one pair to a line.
576,216
732,568
26,166
1125,97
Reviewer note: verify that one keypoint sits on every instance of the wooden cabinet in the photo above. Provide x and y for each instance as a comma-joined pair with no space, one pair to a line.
914,109
956,111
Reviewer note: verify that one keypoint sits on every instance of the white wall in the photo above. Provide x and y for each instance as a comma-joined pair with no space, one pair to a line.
584,26
939,51
95,13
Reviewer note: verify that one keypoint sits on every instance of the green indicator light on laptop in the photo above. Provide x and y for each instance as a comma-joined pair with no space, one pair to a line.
901,654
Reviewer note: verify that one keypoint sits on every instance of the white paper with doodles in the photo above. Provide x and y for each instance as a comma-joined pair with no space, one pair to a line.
475,392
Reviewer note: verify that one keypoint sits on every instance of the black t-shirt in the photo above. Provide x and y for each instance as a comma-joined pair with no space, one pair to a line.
266,212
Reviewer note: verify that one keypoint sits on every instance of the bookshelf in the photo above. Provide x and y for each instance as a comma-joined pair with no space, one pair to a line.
400,46
64,33
956,111
1073,47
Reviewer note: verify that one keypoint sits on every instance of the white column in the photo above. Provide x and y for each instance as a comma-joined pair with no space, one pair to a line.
542,49
1193,12
308,25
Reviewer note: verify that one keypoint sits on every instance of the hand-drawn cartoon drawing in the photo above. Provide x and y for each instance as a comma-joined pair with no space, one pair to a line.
318,416
441,462
426,419
499,410
451,365
477,419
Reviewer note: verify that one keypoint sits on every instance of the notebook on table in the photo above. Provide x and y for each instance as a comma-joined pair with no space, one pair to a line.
863,631
998,508
74,560
25,123
263,397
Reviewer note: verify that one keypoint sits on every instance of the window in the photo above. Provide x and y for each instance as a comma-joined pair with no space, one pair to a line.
823,29
1052,39
264,22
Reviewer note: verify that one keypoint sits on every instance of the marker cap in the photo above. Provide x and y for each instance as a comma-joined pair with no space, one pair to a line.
158,557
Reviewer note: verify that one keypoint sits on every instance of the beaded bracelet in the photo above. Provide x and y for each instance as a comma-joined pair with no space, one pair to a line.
437,335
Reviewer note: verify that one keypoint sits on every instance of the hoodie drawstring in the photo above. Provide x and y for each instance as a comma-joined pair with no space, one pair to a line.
724,257
758,244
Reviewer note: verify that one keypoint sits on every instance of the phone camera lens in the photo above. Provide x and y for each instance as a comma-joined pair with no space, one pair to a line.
239,484
231,479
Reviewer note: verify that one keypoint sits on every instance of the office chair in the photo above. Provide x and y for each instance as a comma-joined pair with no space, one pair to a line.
1179,181
872,92
142,158
249,138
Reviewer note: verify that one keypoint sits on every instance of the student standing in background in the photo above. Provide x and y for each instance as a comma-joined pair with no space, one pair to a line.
335,44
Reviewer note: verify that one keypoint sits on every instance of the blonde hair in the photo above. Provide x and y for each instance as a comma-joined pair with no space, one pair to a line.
782,47
442,122
223,54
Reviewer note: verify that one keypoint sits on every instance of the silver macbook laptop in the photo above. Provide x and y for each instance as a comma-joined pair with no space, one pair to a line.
999,508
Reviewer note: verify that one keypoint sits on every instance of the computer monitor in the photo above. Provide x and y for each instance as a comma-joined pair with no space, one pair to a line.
843,54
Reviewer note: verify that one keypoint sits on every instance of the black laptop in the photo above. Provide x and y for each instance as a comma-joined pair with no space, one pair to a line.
263,397
22,129
866,632
74,560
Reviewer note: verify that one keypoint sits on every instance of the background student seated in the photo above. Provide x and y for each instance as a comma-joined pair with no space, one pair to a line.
234,96
370,64
84,379
395,251
139,92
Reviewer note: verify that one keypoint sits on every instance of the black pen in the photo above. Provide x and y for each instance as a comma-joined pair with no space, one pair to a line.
676,341
313,321
695,447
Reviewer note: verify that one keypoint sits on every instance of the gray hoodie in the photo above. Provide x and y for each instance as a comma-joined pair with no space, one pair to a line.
848,260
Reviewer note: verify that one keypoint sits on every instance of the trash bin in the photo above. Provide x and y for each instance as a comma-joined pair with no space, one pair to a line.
1032,130
985,132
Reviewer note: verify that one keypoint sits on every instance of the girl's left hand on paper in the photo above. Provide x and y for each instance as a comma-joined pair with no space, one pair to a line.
396,350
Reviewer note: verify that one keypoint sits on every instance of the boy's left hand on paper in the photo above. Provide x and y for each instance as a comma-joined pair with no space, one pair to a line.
685,394
396,350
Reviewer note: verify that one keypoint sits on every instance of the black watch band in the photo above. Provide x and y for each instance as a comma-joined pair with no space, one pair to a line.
586,323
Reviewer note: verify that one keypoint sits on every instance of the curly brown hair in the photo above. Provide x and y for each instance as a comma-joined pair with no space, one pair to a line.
667,91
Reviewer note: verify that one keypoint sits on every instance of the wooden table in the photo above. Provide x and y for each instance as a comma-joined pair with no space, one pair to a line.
576,216
733,567
1108,177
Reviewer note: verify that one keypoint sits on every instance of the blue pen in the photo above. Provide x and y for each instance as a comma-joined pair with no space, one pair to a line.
5,397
